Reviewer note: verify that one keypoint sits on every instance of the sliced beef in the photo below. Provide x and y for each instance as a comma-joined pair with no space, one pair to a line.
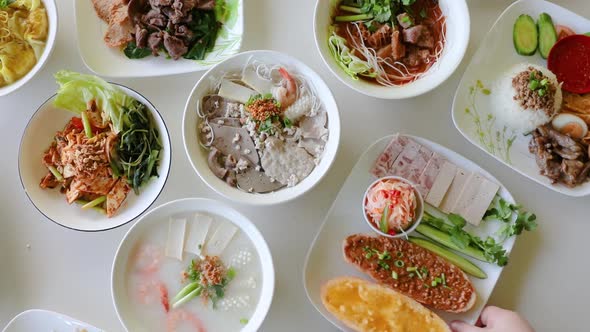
154,18
205,4
184,32
160,3
381,37
398,49
175,46
405,20
419,35
571,170
384,52
141,36
416,56
154,42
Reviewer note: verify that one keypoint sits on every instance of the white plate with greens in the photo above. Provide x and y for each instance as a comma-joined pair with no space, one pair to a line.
112,62
473,103
325,258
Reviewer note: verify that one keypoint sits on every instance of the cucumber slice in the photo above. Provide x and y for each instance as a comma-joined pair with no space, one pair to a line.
547,34
587,34
445,240
462,263
525,35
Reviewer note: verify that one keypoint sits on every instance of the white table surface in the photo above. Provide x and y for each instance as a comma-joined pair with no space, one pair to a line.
547,279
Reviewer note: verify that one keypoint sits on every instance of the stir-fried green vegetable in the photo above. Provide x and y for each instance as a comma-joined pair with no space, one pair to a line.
382,11
139,147
205,28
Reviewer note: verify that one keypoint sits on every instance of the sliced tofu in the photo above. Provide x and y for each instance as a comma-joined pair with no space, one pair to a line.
468,194
220,239
251,78
480,203
234,91
176,235
441,184
197,233
453,194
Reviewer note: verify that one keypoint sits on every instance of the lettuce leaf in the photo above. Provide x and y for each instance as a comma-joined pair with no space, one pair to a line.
76,90
350,63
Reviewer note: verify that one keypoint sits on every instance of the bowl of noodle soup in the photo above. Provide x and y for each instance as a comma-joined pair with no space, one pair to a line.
27,35
406,55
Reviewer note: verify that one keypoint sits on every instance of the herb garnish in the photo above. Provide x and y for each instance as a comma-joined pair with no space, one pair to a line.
503,211
381,256
5,3
134,52
381,11
538,83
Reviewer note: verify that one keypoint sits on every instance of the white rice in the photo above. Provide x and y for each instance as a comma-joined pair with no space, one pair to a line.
508,111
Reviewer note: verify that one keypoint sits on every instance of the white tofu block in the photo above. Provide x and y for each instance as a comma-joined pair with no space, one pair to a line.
220,239
452,197
197,233
441,184
251,78
175,242
234,91
485,195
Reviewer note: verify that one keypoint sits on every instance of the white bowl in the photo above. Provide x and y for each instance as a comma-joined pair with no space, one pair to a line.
198,156
106,61
163,212
457,38
45,320
419,207
37,137
51,11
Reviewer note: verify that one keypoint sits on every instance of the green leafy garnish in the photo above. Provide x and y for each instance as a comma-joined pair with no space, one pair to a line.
266,96
423,13
538,84
5,3
503,211
205,28
134,52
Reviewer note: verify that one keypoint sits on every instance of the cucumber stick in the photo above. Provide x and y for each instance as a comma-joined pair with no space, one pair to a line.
525,35
547,34
445,240
462,263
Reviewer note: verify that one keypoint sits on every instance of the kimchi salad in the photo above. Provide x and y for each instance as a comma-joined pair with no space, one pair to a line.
111,146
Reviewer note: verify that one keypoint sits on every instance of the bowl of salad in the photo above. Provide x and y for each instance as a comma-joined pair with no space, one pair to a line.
393,207
95,155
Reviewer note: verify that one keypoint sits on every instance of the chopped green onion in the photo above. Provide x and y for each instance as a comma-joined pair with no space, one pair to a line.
544,82
95,208
185,291
411,275
94,203
433,283
533,84
244,321
444,280
353,18
351,9
86,124
196,292
56,173
399,254
394,275
399,263
411,269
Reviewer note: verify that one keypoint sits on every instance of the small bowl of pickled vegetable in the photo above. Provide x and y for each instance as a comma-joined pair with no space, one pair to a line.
392,206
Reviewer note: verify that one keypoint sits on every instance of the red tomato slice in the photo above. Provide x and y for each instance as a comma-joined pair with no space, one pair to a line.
77,122
569,60
563,31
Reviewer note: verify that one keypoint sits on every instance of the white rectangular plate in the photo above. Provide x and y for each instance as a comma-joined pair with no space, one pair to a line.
325,258
106,61
472,108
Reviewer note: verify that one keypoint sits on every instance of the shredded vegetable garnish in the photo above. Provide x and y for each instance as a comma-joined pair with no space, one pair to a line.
392,202
352,65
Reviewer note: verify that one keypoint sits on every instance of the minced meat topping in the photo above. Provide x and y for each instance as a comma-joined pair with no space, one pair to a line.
533,90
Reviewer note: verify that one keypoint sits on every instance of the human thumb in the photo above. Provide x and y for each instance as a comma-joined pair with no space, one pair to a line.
460,326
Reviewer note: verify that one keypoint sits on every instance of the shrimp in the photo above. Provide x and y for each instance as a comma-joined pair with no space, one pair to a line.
151,290
287,93
179,315
147,259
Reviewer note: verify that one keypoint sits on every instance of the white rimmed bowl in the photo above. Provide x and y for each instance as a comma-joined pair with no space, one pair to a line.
419,207
163,212
52,18
38,135
457,38
45,320
198,156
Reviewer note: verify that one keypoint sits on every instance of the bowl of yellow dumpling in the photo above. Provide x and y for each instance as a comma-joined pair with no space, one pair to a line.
27,34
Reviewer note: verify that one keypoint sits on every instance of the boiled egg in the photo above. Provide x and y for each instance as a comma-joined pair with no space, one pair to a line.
571,125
